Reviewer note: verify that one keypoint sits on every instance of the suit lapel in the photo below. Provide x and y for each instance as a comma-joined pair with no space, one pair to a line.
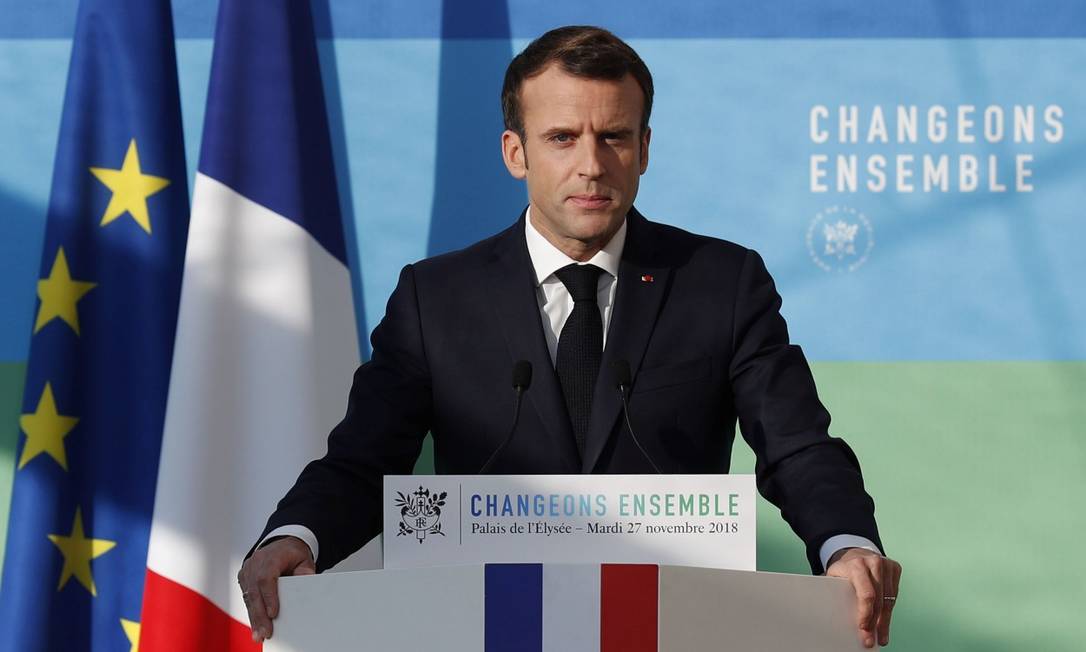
642,284
512,284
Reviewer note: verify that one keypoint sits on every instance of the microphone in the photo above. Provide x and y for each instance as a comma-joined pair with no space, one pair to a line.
623,380
522,378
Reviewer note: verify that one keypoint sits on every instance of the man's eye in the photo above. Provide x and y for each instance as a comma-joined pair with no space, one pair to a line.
561,138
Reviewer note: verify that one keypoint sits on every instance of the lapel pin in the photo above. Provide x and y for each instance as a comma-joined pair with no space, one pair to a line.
646,278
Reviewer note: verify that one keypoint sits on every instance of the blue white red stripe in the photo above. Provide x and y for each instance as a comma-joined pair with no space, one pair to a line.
536,607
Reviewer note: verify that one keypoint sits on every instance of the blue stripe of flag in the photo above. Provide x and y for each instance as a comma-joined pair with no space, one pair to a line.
514,608
266,127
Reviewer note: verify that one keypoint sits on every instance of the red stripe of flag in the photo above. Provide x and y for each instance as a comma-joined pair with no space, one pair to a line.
629,605
178,618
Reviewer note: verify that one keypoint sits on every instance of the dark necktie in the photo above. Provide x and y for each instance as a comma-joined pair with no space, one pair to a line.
580,346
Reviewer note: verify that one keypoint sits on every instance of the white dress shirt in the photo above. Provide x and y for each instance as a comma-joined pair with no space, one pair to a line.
555,305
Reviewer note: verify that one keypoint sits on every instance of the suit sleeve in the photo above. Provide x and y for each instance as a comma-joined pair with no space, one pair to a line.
812,477
389,412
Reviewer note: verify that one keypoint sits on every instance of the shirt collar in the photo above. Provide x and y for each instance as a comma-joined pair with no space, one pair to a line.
547,259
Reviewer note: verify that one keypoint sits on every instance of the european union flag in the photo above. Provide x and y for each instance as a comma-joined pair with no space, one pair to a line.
102,342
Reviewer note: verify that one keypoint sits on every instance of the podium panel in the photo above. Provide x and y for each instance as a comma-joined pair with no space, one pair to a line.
383,610
564,608
708,609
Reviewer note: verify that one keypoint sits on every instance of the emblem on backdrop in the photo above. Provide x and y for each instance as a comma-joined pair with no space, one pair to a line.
840,239
420,513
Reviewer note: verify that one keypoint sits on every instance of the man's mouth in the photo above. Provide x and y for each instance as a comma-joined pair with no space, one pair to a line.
590,200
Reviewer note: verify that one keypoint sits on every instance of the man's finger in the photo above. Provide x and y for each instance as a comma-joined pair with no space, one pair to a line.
884,619
892,575
875,573
258,615
267,585
867,598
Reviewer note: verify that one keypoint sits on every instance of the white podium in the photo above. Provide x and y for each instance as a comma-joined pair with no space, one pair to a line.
564,608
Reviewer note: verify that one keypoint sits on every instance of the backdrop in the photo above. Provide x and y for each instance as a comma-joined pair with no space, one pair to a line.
912,174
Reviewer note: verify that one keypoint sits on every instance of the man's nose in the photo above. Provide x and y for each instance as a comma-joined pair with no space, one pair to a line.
590,161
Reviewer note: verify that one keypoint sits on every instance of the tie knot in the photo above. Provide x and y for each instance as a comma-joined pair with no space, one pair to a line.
580,280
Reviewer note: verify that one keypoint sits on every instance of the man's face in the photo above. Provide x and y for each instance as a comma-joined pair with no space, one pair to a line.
582,156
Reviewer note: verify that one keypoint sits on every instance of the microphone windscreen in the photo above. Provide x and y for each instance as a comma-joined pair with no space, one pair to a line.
522,374
621,370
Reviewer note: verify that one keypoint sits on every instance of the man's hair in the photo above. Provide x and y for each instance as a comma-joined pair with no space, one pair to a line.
582,51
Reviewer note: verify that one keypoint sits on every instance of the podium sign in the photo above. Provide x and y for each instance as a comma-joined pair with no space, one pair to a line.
685,520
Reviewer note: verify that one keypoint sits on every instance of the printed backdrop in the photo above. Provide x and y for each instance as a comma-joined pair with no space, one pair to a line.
912,174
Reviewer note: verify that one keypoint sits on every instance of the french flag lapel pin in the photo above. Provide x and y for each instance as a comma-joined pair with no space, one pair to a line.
646,278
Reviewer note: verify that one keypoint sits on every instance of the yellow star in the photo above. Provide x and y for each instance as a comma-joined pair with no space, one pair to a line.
59,294
132,631
131,188
78,552
45,430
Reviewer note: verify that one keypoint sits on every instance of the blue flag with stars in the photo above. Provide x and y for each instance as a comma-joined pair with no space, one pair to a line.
102,340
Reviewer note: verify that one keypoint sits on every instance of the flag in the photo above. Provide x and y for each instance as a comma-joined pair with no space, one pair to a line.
101,342
571,608
266,339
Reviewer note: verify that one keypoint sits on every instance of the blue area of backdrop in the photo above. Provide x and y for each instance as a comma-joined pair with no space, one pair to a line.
413,95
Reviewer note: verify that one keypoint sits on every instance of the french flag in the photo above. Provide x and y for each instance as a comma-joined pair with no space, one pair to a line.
569,608
266,335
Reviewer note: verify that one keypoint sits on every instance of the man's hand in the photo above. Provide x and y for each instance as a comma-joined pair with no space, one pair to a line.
259,579
875,579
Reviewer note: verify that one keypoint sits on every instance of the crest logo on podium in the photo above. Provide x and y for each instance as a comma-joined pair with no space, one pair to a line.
420,513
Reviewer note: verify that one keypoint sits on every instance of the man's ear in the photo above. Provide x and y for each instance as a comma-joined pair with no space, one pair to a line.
645,149
513,154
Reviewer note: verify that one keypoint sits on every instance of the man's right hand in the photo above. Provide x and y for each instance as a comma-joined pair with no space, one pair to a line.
259,579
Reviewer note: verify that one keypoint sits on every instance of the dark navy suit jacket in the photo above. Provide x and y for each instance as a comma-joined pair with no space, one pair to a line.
697,319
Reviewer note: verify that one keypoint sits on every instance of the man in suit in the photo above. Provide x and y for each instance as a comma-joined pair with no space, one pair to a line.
580,282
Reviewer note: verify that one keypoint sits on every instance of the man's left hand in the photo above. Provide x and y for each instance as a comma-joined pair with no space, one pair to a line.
875,579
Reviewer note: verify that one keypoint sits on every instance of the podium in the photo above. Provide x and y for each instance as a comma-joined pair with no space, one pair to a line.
566,608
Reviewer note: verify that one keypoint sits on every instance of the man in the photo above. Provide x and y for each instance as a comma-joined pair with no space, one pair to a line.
580,282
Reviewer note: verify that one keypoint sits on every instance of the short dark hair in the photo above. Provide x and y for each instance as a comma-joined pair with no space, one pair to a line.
582,51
